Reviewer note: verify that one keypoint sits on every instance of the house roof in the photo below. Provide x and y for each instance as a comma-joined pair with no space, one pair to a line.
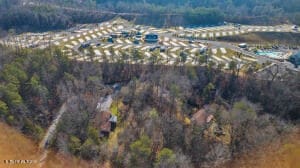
105,124
209,118
106,127
201,117
151,36
113,118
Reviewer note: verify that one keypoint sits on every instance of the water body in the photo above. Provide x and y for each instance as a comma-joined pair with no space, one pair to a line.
270,54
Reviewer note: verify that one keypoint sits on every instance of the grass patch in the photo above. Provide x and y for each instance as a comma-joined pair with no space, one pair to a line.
114,109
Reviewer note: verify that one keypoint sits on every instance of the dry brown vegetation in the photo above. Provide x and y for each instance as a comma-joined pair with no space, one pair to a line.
292,39
282,153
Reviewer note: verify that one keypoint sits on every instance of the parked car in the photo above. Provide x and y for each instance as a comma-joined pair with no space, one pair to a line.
154,48
163,49
110,40
85,45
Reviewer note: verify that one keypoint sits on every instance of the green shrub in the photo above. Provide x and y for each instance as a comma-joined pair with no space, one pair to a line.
3,108
140,151
10,119
33,129
165,158
89,149
74,144
93,134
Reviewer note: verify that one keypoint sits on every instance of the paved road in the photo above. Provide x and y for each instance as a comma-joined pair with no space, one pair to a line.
52,129
49,135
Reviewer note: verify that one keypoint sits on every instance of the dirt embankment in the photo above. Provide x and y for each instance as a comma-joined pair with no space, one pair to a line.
282,153
292,39
15,146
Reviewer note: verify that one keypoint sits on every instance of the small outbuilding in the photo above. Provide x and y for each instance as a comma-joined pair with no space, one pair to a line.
108,123
125,33
243,45
151,38
105,125
85,45
295,27
116,35
295,59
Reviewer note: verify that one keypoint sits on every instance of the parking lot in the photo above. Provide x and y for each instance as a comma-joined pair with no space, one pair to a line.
168,49
122,41
228,30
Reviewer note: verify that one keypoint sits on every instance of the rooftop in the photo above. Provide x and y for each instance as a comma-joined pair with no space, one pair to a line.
201,117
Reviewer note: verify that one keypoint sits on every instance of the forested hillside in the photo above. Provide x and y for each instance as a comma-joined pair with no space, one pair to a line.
246,11
158,115
168,116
